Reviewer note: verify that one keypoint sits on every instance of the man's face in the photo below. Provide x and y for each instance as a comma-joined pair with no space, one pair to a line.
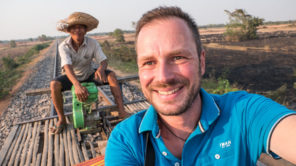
77,32
169,67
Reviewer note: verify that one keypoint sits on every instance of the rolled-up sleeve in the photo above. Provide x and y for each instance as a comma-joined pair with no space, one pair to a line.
65,55
99,54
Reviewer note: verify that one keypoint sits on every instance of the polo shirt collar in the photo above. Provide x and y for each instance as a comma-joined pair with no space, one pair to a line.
210,112
149,122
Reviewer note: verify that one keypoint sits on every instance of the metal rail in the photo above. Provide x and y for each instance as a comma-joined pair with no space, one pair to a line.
52,110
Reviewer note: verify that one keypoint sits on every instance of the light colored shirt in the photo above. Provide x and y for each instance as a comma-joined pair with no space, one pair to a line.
234,129
81,60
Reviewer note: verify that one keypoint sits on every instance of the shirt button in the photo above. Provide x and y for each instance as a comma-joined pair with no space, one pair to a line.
217,156
177,164
164,153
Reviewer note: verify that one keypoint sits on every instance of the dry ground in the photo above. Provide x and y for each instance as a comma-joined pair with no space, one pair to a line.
261,29
18,51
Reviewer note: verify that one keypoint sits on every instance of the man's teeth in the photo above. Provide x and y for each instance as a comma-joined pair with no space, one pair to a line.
168,92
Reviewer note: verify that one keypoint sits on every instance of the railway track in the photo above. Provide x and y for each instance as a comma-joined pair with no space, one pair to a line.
30,143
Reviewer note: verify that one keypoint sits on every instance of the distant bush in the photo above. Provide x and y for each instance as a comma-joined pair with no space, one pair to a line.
34,50
12,44
44,38
118,35
3,85
9,63
7,80
279,22
219,86
241,26
212,26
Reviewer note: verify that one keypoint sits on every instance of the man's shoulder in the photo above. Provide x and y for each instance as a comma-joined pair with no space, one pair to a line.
91,40
238,99
64,43
235,96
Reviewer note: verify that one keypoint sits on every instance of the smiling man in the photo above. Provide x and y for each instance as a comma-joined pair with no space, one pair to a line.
185,125
77,53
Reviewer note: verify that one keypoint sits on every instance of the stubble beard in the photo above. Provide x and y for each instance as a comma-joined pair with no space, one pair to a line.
189,98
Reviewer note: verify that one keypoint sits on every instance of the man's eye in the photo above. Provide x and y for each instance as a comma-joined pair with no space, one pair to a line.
148,63
178,57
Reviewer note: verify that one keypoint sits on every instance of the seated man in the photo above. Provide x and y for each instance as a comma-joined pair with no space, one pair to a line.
77,52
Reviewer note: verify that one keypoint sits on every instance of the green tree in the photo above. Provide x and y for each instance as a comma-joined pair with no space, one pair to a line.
241,26
12,44
43,37
118,35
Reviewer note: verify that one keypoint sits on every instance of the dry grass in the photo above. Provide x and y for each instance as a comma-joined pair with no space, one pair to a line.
261,29
128,37
265,48
22,48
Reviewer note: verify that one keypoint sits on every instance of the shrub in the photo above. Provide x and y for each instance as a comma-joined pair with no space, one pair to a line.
118,35
219,86
9,63
34,50
12,44
241,26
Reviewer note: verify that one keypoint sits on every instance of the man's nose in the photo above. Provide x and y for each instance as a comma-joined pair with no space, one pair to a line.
165,72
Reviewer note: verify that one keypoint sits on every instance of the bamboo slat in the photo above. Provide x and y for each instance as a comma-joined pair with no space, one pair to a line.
67,157
29,156
27,142
70,150
61,159
16,146
45,146
50,145
17,157
9,144
74,144
56,146
38,160
37,138
84,151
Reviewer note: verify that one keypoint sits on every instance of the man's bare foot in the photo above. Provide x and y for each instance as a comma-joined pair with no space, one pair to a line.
61,125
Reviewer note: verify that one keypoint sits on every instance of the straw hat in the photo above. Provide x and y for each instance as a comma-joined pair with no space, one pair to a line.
78,18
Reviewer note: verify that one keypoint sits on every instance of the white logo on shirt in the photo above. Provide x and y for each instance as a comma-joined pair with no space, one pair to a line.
225,144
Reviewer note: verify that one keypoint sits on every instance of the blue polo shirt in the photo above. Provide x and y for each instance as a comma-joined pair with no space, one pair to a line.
234,129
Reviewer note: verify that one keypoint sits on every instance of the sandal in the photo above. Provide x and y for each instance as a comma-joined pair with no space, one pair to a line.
57,129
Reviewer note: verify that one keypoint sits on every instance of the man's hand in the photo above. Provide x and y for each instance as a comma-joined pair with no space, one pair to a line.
100,75
81,92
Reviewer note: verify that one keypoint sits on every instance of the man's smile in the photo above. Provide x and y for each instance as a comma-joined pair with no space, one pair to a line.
161,92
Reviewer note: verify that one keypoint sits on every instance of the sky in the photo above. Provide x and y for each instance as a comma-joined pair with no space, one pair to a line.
23,19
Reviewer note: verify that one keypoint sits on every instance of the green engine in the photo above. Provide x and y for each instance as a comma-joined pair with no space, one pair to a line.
83,109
